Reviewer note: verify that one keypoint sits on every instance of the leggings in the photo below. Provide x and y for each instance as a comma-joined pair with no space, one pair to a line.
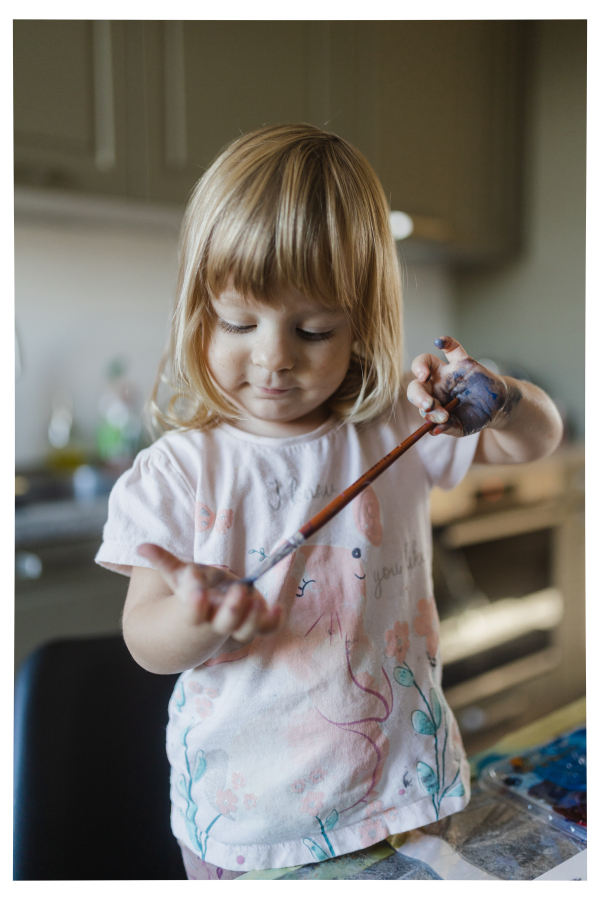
198,870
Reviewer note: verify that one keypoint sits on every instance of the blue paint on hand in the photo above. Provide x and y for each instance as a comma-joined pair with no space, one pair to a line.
482,394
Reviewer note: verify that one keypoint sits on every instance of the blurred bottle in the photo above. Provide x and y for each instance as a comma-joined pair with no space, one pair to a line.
118,435
66,453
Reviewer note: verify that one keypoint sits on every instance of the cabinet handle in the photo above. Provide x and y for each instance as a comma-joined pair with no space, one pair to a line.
104,108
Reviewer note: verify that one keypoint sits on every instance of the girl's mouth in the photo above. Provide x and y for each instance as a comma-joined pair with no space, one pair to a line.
273,392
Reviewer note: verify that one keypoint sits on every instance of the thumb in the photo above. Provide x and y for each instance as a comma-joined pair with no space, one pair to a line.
168,565
453,351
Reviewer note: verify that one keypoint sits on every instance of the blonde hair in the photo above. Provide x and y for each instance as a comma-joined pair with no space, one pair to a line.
287,205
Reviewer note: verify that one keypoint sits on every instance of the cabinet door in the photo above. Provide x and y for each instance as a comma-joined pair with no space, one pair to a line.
208,81
69,104
450,128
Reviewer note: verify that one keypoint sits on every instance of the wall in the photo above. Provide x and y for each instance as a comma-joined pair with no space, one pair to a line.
531,312
95,279
84,294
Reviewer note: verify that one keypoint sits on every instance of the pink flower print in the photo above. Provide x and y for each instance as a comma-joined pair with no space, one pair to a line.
317,775
226,801
249,801
237,780
425,625
204,707
212,692
371,831
389,814
313,802
397,642
367,516
373,807
224,521
298,785
205,517
196,687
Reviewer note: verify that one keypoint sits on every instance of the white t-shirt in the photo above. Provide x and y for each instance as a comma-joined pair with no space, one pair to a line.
333,732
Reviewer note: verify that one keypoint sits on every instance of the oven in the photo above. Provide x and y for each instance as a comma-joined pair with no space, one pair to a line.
508,571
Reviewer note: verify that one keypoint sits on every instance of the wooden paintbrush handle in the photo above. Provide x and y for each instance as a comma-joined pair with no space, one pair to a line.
333,508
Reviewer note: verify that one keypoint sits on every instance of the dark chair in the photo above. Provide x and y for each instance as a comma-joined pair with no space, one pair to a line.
91,788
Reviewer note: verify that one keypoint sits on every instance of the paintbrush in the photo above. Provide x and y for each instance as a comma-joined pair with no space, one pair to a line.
333,508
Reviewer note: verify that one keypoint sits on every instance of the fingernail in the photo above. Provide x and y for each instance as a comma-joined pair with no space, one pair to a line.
439,416
440,343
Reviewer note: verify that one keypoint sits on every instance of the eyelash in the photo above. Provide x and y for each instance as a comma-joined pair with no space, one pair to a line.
310,336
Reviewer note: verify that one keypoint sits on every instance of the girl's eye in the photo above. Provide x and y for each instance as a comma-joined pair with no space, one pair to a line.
305,335
234,329
315,335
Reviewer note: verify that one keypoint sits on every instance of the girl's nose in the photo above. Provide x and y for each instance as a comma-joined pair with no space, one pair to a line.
273,352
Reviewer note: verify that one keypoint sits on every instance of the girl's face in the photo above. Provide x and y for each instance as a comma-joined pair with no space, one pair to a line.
278,364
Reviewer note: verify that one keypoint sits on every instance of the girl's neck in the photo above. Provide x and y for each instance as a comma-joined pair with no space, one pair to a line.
295,428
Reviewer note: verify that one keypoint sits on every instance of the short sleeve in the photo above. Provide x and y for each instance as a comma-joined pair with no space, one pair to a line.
447,459
151,502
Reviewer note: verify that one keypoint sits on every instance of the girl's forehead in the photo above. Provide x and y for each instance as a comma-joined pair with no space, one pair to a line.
287,298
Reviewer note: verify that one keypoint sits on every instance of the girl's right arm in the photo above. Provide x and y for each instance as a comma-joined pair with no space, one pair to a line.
174,619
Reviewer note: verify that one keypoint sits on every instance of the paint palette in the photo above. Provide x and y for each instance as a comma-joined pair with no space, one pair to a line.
549,781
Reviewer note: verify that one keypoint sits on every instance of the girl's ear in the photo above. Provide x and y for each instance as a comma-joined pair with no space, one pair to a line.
367,516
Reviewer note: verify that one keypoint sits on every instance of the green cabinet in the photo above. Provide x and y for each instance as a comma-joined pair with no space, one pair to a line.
70,104
208,81
141,108
450,128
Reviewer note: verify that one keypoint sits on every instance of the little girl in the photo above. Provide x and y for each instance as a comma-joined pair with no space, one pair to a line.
308,720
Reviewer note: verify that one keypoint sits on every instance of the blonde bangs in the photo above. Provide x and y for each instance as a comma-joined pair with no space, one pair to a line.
286,232
286,206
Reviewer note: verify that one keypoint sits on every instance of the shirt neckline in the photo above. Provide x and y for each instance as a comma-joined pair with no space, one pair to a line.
237,433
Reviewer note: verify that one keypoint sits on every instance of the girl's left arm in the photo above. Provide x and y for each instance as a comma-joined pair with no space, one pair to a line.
530,429
517,420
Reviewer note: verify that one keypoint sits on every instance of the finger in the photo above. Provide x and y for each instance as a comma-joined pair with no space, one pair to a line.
420,395
202,609
232,611
429,407
453,351
168,565
423,365
271,619
250,625
451,427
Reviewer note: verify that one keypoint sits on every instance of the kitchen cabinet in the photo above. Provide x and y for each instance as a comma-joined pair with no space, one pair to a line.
141,108
449,129
208,81
70,110
70,596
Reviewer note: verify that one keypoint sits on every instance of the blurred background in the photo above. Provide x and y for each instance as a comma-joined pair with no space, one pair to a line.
477,131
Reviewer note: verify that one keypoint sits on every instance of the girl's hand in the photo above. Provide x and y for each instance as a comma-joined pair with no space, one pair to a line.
485,398
239,611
